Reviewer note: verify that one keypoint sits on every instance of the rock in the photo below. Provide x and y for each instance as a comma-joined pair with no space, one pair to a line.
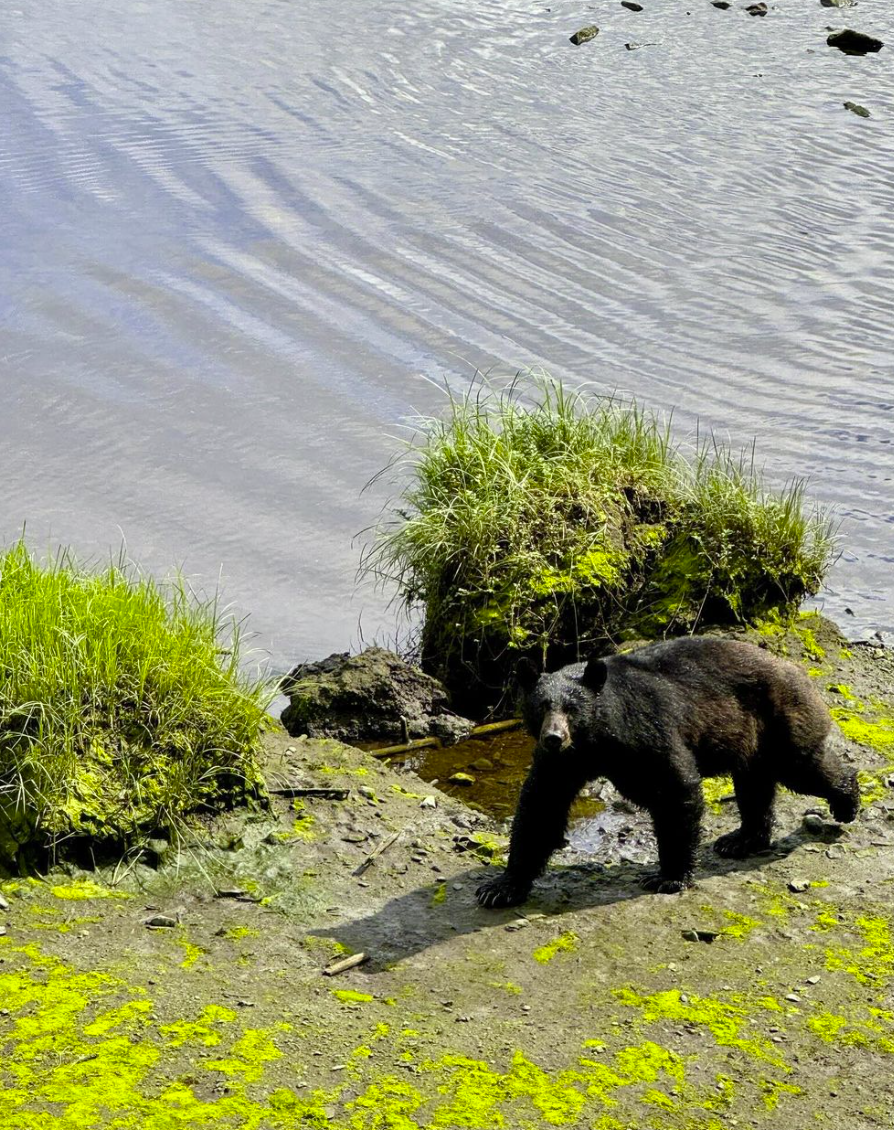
482,764
854,42
799,885
722,4
815,980
367,697
631,5
517,924
813,823
366,791
461,779
690,935
428,802
839,4
4,905
756,9
793,997
856,108
161,922
584,35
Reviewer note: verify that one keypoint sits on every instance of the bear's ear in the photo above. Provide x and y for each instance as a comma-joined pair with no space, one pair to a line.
526,674
595,674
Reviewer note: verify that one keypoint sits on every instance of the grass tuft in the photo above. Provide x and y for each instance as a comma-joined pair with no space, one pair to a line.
538,520
121,706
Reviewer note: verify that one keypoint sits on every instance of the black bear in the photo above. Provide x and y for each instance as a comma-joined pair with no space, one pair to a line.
656,721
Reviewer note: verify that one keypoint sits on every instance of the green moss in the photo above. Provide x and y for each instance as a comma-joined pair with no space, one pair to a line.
237,933
81,889
727,1021
873,962
351,996
715,789
772,1090
565,943
202,1031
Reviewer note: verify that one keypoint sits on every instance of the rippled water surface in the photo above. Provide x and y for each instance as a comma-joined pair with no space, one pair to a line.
239,243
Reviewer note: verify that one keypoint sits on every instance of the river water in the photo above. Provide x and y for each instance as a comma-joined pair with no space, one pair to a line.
240,243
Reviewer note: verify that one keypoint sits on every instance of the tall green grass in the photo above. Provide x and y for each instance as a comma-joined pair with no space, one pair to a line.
541,520
122,708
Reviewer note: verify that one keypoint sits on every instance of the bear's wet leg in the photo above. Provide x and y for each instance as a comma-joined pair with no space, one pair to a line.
677,822
755,793
538,828
824,775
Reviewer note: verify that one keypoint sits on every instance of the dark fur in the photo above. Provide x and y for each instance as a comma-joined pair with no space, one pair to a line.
655,722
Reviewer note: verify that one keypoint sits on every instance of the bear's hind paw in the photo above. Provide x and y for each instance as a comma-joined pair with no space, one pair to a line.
502,892
735,845
661,886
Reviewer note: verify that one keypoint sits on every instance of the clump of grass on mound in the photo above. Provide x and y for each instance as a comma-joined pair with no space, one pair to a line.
548,522
120,710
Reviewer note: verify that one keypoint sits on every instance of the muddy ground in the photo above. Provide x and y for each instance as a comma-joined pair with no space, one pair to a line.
762,997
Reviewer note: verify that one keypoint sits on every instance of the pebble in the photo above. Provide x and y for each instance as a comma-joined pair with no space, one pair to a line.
584,35
518,924
161,922
461,779
793,997
836,851
366,791
428,802
458,886
4,905
799,885
815,980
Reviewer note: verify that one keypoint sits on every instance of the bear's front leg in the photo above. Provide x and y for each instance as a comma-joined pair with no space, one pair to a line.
538,828
677,819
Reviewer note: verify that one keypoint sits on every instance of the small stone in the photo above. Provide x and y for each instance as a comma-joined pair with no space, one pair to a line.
461,1019
584,35
756,9
835,851
526,1008
815,980
4,905
465,779
690,935
840,4
161,922
458,886
856,108
366,791
854,43
722,4
799,885
481,764
793,997
631,5
2,931
813,823
428,802
517,924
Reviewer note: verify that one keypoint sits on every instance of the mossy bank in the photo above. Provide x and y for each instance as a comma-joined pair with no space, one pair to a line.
761,997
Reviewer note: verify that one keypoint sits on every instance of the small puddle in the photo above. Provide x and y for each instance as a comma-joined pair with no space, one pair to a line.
601,823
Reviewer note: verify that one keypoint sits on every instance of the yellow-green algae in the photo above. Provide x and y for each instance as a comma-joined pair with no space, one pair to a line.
565,943
351,996
80,889
715,789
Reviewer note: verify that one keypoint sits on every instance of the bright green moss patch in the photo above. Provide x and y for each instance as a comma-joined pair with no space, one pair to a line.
715,789
439,896
122,706
873,962
204,1031
565,943
351,996
727,1021
85,889
239,933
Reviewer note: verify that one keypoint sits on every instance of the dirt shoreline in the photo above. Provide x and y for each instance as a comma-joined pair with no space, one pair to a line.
761,997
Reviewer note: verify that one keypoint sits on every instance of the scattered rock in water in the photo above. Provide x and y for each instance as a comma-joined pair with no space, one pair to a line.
368,697
481,764
839,3
854,42
461,779
631,5
722,4
757,9
636,46
856,108
584,35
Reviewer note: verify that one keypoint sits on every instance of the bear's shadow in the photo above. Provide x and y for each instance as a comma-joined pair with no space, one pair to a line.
415,921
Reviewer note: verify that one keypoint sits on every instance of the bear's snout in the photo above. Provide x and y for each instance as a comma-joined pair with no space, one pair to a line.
554,733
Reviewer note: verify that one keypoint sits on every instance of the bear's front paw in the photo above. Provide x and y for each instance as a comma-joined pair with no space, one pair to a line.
662,886
736,845
504,891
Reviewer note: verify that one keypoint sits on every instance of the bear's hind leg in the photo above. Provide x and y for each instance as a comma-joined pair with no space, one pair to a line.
755,793
824,775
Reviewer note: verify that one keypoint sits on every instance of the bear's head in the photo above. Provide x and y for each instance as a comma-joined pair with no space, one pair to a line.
557,707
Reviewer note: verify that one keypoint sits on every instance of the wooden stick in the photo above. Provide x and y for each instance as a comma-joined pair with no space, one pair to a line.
300,790
427,743
375,853
345,963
